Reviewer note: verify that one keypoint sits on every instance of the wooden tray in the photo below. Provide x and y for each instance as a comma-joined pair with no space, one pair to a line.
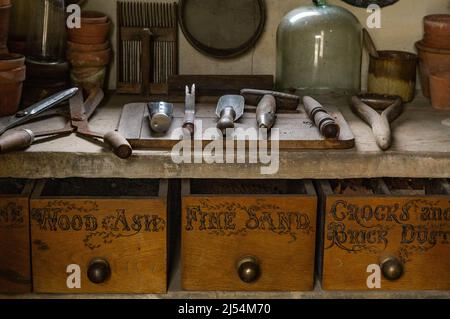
296,130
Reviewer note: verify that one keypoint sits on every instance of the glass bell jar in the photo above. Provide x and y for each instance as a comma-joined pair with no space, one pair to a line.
47,31
319,51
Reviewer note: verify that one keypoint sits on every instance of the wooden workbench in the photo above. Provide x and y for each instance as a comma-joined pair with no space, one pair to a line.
421,149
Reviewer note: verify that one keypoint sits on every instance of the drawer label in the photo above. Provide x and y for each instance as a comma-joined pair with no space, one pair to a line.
12,216
231,218
419,225
68,217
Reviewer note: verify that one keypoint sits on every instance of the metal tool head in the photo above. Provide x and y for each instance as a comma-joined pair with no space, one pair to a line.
236,102
161,114
190,98
284,101
378,101
34,110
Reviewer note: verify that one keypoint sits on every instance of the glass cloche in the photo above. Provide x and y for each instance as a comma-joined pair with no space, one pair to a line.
319,50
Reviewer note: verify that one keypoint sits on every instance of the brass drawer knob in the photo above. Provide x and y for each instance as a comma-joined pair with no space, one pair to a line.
99,271
392,268
249,270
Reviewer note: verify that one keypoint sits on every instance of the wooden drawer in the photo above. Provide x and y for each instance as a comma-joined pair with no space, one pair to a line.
248,235
395,232
112,232
15,272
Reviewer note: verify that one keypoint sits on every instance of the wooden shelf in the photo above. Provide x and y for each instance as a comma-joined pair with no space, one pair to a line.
421,149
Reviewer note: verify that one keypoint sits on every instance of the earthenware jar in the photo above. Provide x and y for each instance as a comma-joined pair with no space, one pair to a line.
393,73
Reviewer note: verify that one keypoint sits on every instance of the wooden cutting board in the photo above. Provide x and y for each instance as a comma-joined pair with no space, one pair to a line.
296,130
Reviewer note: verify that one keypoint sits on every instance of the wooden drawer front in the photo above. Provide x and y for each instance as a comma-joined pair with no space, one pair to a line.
15,276
411,231
129,233
276,232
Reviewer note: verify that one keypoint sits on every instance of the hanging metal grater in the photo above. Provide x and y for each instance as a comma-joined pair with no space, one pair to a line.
148,46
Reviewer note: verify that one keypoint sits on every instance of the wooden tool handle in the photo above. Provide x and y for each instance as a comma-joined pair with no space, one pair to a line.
119,144
190,128
379,123
16,141
321,118
266,112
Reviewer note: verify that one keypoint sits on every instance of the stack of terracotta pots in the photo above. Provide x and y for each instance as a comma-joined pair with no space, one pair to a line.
88,50
12,75
434,55
5,9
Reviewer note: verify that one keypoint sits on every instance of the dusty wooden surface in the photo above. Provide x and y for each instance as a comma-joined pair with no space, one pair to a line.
295,130
421,148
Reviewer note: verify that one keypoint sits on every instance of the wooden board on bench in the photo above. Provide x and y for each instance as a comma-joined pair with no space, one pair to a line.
296,130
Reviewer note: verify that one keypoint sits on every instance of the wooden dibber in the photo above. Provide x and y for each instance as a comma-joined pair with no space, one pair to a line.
118,144
320,116
380,123
16,141
267,104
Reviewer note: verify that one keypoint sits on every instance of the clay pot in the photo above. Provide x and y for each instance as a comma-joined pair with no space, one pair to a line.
88,78
431,61
393,73
437,31
4,26
11,61
90,33
13,75
440,90
11,83
5,3
72,46
93,17
89,59
86,72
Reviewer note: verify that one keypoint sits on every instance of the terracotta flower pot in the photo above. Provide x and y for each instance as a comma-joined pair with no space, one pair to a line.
4,27
72,46
93,17
88,78
431,61
437,31
90,33
12,76
4,3
440,90
89,59
86,72
11,84
11,61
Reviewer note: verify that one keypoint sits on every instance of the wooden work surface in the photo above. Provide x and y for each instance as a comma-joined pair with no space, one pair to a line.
421,149
295,129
